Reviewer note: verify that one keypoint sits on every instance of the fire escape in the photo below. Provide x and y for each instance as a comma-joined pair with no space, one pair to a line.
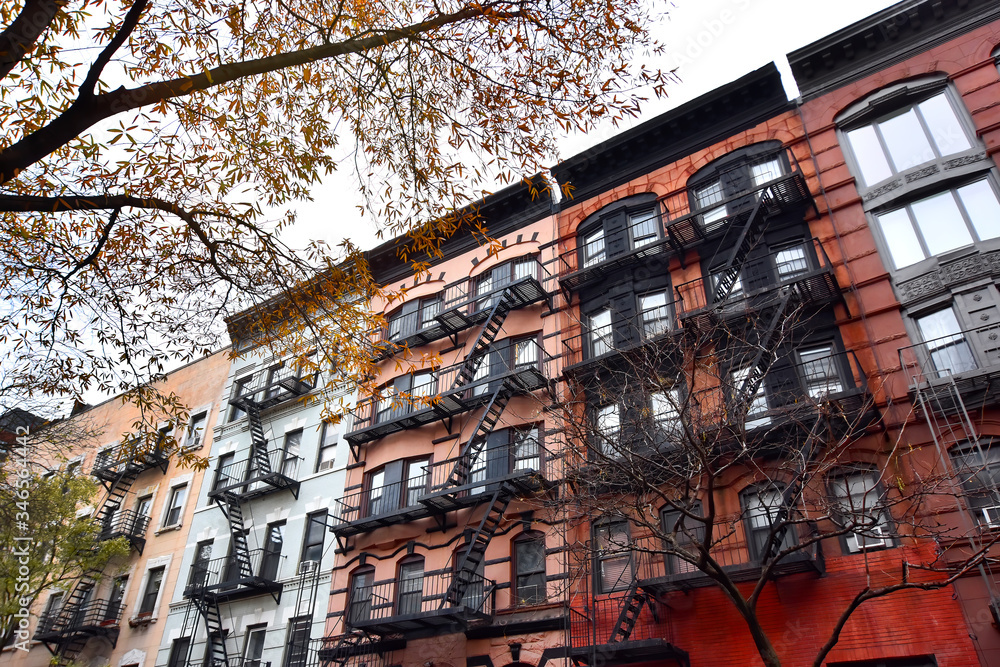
66,630
243,572
461,598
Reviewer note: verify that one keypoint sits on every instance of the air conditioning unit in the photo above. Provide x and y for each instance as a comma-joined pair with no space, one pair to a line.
876,538
990,516
308,566
326,465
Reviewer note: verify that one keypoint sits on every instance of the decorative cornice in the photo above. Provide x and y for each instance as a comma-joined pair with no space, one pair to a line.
946,275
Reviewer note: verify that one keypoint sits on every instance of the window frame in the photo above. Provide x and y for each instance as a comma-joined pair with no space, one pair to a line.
619,553
178,657
750,532
736,167
173,505
594,229
327,444
853,542
198,573
432,304
351,617
404,602
317,518
980,510
669,516
540,595
297,625
159,571
252,632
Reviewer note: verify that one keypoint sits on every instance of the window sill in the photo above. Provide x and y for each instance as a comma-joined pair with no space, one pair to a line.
167,529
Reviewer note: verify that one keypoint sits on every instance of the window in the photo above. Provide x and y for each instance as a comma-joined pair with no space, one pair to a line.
225,471
756,404
417,480
196,431
945,345
241,387
664,408
274,537
529,569
253,646
410,586
143,505
413,316
376,493
761,506
271,381
614,561
715,189
599,325
52,607
200,565
475,592
643,227
906,138
327,456
978,471
312,548
618,229
527,452
179,652
147,604
117,597
298,641
607,426
359,606
290,456
858,503
791,262
687,533
939,223
490,283
819,371
175,505
655,314
593,247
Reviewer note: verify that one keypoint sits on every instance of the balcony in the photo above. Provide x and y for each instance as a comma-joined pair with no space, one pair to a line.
592,634
417,605
435,493
662,573
248,480
437,397
273,386
684,225
112,463
97,618
805,267
958,371
647,333
128,524
357,650
463,305
223,578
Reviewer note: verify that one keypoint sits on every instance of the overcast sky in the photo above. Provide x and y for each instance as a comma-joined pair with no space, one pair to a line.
710,42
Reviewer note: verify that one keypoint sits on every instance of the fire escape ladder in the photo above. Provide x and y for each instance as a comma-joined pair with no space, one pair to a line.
260,463
750,234
486,337
117,493
474,554
347,646
216,654
463,466
632,605
71,650
229,503
766,345
791,494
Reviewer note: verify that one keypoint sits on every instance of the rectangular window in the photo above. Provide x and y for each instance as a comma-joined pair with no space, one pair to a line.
529,570
271,558
253,646
196,431
199,568
708,198
298,641
601,335
756,403
312,548
945,346
117,597
608,430
290,456
327,457
643,226
527,452
225,471
655,314
416,480
858,503
175,505
179,652
360,604
664,409
593,248
423,390
818,368
762,508
147,604
978,471
765,172
687,534
614,561
429,310
942,222
791,262
411,588
143,505
241,387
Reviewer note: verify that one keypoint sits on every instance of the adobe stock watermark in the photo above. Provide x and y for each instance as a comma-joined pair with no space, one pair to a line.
24,541
711,30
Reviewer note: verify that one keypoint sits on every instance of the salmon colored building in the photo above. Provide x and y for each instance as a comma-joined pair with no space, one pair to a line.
118,619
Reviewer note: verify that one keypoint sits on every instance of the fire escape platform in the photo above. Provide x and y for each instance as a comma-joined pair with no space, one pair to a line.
627,653
236,589
332,652
450,403
110,466
422,621
257,486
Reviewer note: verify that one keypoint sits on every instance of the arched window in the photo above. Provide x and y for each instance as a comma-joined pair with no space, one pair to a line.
685,533
529,568
716,189
474,594
410,586
359,603
617,229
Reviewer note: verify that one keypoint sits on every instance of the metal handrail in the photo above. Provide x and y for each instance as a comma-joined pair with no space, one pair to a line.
397,598
128,523
243,471
954,354
225,571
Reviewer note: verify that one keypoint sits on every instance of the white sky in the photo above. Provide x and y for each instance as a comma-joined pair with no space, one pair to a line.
711,42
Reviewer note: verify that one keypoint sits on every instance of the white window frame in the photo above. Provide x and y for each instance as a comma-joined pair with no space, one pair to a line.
185,482
871,510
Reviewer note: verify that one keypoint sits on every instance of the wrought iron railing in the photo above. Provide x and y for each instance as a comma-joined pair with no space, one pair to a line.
385,600
647,326
246,472
275,384
128,523
93,616
227,572
592,623
115,460
953,354
482,472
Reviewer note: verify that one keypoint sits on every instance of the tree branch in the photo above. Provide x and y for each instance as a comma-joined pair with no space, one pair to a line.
15,40
128,25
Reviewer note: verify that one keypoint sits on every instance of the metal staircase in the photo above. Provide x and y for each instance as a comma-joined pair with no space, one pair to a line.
229,503
463,466
632,605
216,652
485,338
260,463
475,552
750,233
766,344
